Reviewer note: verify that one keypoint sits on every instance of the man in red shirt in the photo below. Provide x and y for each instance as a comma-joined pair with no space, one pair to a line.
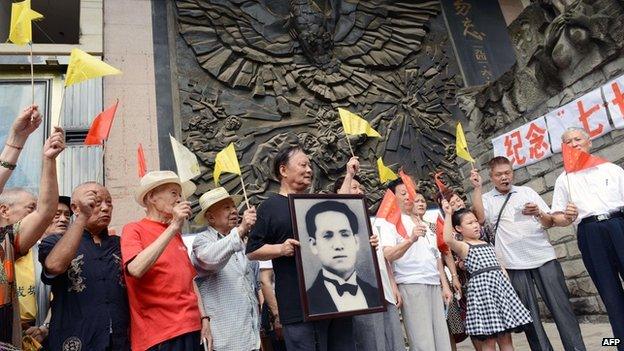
163,306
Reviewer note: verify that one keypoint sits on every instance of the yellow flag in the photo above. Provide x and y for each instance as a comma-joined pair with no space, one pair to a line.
385,173
226,161
356,125
83,66
21,22
186,161
461,146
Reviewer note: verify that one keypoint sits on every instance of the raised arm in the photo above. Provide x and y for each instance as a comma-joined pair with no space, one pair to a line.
477,196
59,259
353,166
145,259
34,225
395,252
26,123
459,247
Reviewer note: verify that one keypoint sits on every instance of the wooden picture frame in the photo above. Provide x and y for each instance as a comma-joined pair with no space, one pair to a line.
337,267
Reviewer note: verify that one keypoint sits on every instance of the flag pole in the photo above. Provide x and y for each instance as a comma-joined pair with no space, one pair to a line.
569,188
244,191
32,74
349,143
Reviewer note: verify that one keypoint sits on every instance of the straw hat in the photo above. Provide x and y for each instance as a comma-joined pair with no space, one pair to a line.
154,179
212,197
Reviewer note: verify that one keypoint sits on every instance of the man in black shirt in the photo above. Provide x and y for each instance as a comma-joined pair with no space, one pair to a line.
83,266
272,238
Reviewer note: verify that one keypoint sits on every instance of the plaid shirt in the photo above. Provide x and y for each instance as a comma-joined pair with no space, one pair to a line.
227,286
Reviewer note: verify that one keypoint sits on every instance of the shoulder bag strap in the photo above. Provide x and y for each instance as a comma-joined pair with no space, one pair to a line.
500,213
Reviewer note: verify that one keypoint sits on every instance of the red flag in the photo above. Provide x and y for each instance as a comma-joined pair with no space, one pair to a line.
390,211
141,161
101,126
440,183
577,160
409,185
442,246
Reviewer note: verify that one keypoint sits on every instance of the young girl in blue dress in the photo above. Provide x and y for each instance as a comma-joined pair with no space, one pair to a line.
494,309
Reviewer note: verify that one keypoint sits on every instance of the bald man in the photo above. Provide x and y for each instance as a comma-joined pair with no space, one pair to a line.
83,266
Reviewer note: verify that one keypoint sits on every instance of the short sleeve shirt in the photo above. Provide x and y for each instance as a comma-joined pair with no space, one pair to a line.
89,298
606,185
419,264
163,304
274,226
521,242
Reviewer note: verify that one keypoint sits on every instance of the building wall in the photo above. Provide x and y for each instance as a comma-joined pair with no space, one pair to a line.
128,45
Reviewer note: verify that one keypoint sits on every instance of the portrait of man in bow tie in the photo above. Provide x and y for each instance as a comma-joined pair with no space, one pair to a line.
335,236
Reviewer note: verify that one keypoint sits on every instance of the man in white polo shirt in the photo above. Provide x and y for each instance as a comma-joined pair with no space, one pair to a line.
519,215
596,205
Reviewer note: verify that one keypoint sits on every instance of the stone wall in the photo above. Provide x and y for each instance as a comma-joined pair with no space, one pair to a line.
541,177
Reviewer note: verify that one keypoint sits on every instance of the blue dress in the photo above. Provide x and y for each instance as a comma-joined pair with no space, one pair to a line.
493,305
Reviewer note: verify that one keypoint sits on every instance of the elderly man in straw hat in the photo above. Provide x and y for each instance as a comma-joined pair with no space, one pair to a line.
226,278
159,274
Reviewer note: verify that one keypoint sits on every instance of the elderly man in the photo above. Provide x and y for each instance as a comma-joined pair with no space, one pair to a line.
83,266
163,304
23,220
226,278
593,199
33,294
519,215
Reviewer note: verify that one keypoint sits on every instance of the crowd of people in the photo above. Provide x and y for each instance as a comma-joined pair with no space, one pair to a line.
66,283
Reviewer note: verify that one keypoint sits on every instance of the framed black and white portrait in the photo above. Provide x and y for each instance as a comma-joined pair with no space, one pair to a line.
338,269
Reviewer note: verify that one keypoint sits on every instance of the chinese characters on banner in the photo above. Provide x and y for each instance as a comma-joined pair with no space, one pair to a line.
540,138
587,112
614,97
525,145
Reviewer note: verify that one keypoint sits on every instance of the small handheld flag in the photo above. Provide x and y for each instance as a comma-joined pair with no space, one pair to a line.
226,161
101,126
461,146
356,125
185,159
390,211
439,182
83,66
22,15
385,173
141,164
409,185
577,160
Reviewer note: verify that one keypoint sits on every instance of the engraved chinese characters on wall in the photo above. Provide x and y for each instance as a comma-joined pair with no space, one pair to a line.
525,145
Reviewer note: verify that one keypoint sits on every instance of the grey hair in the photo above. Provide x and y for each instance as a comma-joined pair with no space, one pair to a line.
575,129
82,185
12,195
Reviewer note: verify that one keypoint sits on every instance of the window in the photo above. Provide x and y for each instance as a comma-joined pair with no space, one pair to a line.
14,96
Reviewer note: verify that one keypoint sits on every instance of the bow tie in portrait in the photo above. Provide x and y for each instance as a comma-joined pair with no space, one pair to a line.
342,288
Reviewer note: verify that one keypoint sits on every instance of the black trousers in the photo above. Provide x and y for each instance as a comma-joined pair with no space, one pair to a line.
550,282
184,342
6,323
602,248
326,335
